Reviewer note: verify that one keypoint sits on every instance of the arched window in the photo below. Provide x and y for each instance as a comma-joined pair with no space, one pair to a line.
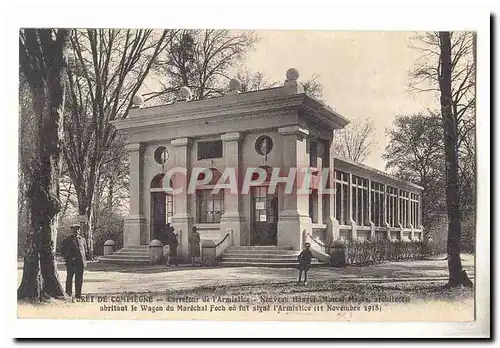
158,183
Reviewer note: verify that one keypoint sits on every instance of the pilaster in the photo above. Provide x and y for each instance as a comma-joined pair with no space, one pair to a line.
294,218
135,229
182,220
233,219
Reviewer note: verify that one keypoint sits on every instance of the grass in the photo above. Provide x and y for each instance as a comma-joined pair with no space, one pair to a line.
426,291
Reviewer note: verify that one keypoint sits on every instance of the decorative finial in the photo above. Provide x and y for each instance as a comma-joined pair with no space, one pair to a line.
234,84
184,93
292,74
138,100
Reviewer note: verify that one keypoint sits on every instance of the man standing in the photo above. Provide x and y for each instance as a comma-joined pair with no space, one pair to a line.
304,259
171,240
194,245
74,252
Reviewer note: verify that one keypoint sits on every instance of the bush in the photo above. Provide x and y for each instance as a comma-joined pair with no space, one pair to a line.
108,226
468,241
362,252
63,231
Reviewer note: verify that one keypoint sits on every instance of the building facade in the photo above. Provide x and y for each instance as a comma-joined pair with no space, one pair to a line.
182,154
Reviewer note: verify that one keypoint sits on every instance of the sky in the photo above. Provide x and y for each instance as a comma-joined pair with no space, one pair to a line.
364,74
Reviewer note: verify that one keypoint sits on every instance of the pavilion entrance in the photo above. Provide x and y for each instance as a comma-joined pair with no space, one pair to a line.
264,212
162,207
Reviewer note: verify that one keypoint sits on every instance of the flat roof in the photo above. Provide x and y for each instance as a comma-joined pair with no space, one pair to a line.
233,103
376,171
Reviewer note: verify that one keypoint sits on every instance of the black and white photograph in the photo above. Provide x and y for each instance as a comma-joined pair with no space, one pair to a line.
253,175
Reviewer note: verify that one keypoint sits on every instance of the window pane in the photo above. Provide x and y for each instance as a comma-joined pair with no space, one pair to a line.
209,149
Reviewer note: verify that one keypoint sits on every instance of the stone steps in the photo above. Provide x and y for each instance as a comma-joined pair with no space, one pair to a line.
137,255
262,256
259,259
267,264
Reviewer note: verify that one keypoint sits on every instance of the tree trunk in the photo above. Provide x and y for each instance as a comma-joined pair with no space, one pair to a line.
40,276
110,194
457,276
85,214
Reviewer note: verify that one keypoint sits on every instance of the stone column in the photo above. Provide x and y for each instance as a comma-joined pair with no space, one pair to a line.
386,223
410,214
294,218
332,224
370,217
354,230
135,229
233,219
182,220
399,215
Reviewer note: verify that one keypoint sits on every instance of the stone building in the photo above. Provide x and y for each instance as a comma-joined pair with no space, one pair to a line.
275,129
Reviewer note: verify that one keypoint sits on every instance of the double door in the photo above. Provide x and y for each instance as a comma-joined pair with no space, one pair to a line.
264,217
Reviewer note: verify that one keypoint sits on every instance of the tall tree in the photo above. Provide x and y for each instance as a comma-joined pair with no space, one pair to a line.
313,87
42,59
457,276
447,67
425,77
201,60
355,141
106,69
415,153
254,81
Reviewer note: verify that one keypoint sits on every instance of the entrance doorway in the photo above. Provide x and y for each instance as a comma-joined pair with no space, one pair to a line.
162,207
264,214
161,213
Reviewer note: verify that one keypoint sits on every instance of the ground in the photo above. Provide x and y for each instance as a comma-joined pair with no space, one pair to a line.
391,289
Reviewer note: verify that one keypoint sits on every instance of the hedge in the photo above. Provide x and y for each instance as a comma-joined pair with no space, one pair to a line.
362,252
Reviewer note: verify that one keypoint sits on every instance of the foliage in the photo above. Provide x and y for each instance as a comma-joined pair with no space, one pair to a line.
356,140
468,240
415,153
200,60
253,81
363,252
313,87
106,69
108,225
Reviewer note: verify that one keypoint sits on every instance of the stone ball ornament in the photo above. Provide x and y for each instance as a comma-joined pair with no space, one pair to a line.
292,74
138,100
185,92
234,84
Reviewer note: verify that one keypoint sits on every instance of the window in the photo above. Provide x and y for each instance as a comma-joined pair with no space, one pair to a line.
360,201
169,200
265,206
392,206
210,206
161,155
415,217
342,197
326,207
377,204
313,154
404,217
209,149
313,206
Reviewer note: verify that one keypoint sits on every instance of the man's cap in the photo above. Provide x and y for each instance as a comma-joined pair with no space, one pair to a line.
75,226
308,244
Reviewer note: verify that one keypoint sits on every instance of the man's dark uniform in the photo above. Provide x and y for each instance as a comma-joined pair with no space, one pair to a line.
74,254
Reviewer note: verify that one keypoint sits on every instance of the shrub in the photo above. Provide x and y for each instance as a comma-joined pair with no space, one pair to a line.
108,226
363,252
